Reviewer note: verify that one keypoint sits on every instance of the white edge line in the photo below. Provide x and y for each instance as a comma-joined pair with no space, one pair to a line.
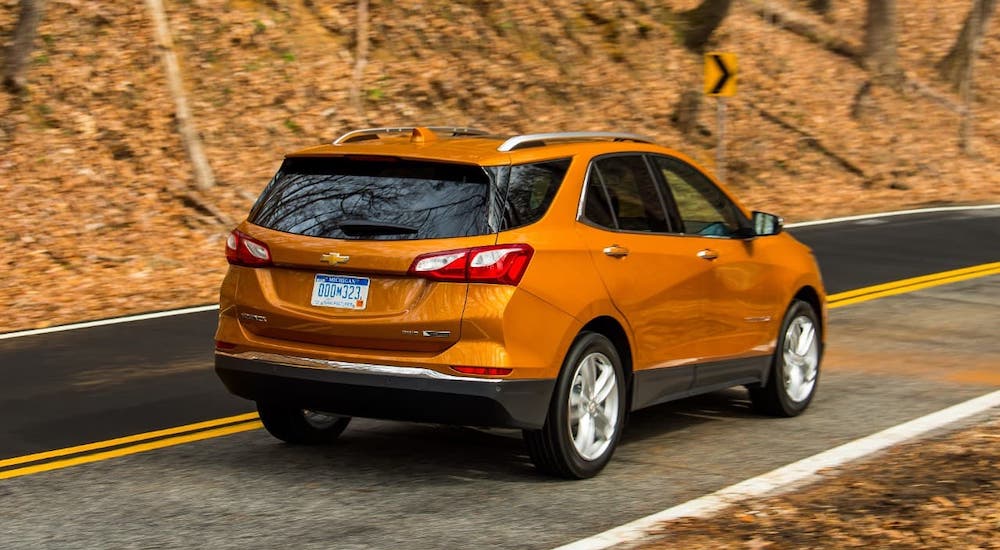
112,321
892,214
785,477
184,311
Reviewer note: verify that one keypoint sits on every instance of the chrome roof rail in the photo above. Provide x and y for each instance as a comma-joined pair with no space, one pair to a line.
518,142
373,133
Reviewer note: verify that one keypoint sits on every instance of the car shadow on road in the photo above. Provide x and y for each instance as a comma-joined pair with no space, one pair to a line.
444,455
660,420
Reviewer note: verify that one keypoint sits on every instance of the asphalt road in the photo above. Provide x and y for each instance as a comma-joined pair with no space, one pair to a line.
79,386
420,486
872,251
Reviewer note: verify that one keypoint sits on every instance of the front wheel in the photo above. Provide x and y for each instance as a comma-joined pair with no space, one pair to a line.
301,426
794,372
586,414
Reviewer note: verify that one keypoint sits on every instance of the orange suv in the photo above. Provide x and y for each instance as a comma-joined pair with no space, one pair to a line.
547,282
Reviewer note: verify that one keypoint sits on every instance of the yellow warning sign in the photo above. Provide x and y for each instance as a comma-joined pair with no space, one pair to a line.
720,74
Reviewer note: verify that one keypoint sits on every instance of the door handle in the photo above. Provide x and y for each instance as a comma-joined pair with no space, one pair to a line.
708,254
616,251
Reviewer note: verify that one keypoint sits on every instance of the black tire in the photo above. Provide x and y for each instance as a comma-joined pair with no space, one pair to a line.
300,426
782,395
552,448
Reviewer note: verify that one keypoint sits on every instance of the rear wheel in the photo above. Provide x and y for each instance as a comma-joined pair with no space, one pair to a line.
586,415
301,426
795,368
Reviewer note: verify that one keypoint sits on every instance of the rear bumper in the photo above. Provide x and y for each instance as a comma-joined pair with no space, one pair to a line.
377,391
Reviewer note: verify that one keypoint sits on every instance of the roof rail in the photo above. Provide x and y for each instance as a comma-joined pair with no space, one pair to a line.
373,133
527,140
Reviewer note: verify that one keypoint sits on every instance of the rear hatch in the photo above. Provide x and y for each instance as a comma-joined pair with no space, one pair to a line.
342,233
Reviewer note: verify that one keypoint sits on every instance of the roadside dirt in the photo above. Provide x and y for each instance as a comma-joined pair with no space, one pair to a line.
951,340
98,218
942,492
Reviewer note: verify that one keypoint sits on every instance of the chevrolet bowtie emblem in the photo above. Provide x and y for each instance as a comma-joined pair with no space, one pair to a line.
333,258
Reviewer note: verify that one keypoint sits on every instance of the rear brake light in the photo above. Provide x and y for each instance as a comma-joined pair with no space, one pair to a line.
246,251
501,264
489,371
442,266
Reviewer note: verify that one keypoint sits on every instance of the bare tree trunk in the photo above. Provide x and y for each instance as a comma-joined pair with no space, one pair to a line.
792,22
880,39
685,115
820,6
360,59
702,21
22,46
203,177
954,66
973,22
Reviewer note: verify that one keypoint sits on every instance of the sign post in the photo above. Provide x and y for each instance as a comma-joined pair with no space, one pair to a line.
720,82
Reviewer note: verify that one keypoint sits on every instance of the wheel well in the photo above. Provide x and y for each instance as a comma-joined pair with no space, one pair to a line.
809,295
613,331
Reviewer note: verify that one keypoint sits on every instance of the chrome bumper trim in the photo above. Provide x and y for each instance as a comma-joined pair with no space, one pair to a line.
344,366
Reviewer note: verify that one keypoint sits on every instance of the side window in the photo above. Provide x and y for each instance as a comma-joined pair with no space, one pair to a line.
621,194
703,208
596,207
530,190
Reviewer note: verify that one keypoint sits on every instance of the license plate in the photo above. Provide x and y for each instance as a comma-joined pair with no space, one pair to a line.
341,292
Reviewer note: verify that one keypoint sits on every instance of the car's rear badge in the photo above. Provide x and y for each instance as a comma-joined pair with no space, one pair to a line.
334,258
253,317
428,333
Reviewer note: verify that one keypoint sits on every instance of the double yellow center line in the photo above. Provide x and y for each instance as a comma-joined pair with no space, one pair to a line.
911,285
149,441
129,445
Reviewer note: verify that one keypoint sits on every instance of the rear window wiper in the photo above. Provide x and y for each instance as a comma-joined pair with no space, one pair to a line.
357,228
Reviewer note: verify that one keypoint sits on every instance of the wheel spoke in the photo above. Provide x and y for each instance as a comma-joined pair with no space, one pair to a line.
605,385
791,339
605,429
584,434
805,339
587,376
794,377
810,376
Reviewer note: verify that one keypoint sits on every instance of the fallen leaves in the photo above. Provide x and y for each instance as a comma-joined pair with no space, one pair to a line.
918,495
93,174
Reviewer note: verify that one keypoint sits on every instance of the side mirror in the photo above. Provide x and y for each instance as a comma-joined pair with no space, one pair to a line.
765,224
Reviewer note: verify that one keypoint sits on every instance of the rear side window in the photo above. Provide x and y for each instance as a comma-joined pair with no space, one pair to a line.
530,190
382,199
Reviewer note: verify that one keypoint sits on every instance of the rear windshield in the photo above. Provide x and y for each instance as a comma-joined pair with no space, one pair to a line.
394,199
397,199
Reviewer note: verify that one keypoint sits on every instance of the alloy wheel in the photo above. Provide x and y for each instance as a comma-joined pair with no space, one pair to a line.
593,406
801,358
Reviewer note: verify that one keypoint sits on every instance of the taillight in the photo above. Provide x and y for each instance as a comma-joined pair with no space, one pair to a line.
501,264
246,251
